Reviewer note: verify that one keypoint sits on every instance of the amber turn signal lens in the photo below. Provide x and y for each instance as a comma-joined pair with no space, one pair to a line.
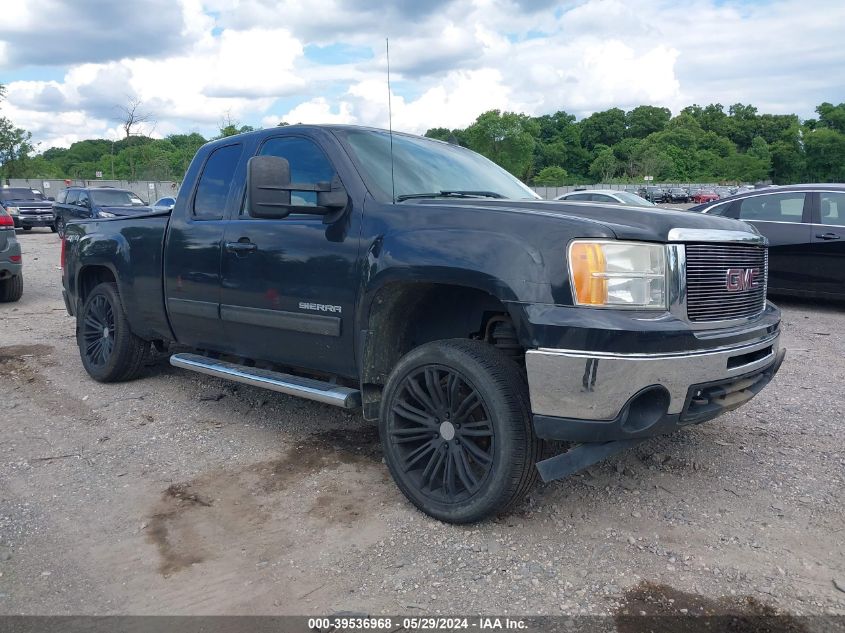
587,260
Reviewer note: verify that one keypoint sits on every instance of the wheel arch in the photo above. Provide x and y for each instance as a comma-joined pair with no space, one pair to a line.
402,315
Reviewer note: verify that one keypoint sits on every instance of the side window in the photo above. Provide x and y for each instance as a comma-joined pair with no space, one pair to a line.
308,164
62,196
579,196
600,197
832,209
72,196
779,207
82,201
214,184
720,209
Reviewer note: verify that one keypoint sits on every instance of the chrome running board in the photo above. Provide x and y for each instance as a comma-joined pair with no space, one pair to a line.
309,388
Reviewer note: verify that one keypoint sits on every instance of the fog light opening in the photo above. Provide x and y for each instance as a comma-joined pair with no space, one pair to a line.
646,409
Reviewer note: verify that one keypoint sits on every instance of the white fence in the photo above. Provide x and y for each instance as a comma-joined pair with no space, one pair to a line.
147,190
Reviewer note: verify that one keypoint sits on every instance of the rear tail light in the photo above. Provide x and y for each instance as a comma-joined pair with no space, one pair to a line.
62,256
14,258
6,220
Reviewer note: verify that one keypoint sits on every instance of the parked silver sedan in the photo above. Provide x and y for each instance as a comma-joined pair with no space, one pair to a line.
607,196
163,204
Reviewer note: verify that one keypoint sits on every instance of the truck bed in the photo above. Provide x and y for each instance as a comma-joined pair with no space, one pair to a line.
131,248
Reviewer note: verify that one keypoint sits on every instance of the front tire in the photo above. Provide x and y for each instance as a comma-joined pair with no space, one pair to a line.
11,289
456,430
109,350
60,226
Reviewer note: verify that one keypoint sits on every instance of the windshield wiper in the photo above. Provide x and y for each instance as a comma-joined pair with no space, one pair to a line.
450,193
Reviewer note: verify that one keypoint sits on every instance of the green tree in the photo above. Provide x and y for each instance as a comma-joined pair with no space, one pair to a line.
604,166
831,116
825,150
644,120
788,162
15,148
603,128
551,176
508,139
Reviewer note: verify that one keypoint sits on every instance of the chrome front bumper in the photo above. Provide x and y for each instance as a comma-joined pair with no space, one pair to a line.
598,387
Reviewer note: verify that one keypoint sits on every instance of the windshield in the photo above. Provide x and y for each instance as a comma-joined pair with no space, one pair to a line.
633,199
424,166
115,198
19,193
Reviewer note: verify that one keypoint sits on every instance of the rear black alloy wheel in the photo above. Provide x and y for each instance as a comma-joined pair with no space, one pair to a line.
109,350
443,434
456,430
98,331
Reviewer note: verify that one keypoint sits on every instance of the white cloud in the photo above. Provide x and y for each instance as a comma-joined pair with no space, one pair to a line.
451,60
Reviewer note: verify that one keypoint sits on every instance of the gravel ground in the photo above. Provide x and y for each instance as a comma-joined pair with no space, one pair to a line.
181,494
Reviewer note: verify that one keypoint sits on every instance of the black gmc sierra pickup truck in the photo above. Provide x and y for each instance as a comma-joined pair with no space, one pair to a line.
421,283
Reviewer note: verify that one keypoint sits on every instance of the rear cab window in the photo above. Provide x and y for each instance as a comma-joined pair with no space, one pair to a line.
216,181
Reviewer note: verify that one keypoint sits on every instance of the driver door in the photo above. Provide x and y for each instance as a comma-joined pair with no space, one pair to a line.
289,285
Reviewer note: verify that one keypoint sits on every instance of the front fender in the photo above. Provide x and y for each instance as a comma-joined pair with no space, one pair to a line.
499,264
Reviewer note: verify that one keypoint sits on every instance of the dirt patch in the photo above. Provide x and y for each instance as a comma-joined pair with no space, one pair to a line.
13,361
193,521
664,609
358,446
182,492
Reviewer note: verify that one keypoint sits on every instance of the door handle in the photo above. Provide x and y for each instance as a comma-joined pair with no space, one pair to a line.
241,247
827,236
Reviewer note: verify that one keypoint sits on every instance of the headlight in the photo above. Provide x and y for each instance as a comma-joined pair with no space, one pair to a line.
106,214
13,210
610,274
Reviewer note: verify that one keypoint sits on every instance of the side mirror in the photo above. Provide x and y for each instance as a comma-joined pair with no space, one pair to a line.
269,189
268,182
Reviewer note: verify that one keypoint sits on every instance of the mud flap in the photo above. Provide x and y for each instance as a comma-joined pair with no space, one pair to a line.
581,457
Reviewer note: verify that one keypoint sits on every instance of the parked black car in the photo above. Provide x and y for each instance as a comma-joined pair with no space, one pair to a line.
28,208
11,275
805,225
655,194
83,203
677,194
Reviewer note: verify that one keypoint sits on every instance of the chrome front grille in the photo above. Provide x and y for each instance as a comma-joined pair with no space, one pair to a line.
725,281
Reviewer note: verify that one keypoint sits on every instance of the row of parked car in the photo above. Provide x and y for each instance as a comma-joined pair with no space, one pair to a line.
692,193
30,208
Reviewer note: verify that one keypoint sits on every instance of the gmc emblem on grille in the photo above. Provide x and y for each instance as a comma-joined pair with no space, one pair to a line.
742,279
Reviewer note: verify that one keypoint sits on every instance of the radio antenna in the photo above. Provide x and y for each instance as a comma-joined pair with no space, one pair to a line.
390,119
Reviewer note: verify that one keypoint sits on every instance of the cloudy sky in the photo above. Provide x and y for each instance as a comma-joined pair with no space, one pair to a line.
68,64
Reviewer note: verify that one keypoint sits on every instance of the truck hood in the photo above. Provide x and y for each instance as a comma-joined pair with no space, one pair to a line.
626,223
126,211
29,204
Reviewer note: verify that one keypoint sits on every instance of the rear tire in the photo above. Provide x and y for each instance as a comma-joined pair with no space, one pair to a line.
53,227
11,289
60,226
456,430
109,350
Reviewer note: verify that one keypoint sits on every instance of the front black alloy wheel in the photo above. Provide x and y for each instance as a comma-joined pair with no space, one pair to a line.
456,430
110,352
442,433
